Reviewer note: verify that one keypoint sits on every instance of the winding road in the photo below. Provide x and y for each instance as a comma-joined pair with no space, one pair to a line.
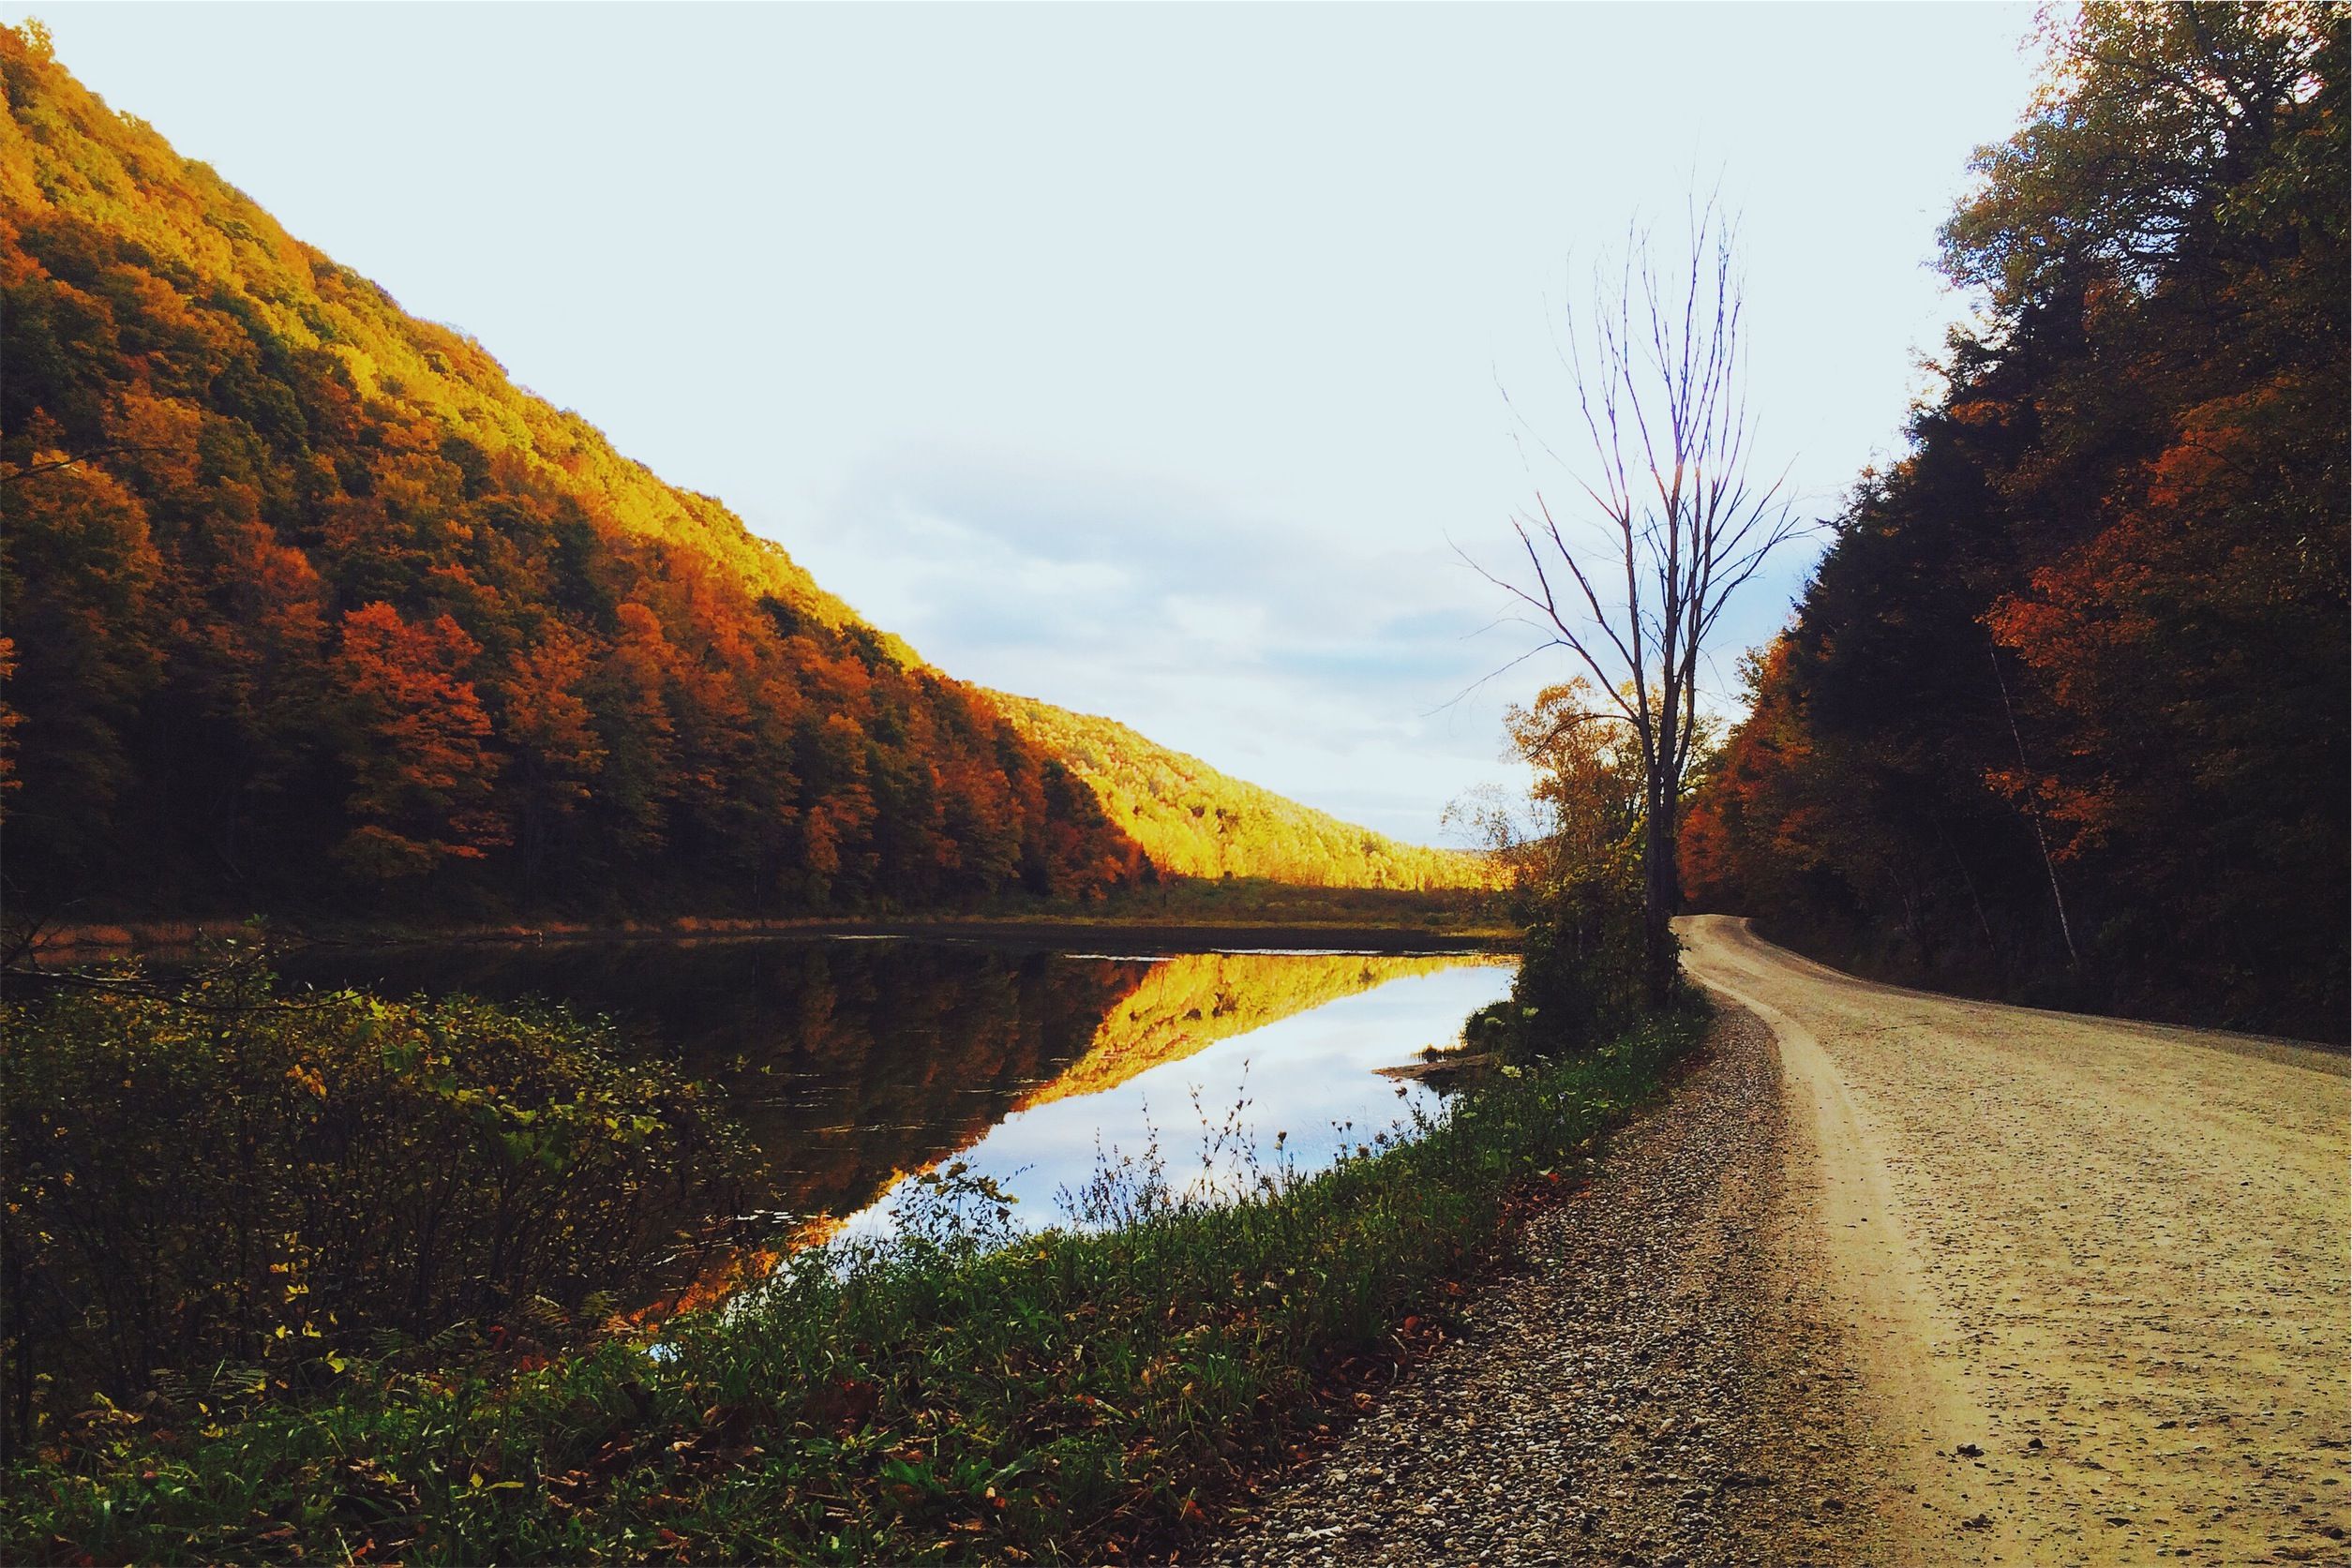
2094,1274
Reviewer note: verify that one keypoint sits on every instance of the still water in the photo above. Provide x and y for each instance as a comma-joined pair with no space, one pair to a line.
855,1063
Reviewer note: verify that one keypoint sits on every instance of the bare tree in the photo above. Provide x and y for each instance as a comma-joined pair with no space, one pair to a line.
1671,518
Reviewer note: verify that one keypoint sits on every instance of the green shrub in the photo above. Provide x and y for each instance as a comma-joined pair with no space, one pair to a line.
270,1182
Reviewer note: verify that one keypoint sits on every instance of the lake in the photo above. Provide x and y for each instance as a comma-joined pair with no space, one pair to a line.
855,1063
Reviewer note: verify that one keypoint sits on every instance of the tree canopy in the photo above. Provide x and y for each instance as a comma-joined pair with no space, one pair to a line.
2064,709
307,600
1194,821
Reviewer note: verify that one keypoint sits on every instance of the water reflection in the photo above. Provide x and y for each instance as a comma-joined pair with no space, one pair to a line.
852,1062
1193,1000
1286,1090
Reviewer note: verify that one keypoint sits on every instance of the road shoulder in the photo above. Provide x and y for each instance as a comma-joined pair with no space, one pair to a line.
1661,1382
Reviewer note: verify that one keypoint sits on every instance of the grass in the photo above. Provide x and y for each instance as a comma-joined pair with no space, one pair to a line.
961,1394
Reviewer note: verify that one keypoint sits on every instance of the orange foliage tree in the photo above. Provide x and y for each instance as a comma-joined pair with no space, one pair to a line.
2063,710
308,600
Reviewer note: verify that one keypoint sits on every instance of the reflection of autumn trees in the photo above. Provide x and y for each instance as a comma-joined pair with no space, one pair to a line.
306,600
2100,604
843,1061
1191,1002
1194,821
850,1063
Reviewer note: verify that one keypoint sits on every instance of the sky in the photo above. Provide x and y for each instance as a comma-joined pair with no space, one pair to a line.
1150,360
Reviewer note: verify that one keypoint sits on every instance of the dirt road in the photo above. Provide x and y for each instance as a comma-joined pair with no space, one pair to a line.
2095,1273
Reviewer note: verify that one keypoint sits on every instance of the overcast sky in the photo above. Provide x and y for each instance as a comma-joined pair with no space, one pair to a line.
1141,359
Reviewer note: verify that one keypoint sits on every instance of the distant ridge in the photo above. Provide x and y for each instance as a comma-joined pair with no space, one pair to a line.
1195,821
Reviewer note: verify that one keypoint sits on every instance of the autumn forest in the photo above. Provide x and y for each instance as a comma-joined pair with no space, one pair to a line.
307,602
2061,714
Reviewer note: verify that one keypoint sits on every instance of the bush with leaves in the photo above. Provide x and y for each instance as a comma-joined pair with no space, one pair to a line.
234,1176
1573,851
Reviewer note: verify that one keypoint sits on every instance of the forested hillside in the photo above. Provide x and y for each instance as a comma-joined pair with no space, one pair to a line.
1195,821
307,602
2063,711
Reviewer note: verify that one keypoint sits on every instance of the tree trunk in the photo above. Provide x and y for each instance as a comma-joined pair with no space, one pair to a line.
1662,896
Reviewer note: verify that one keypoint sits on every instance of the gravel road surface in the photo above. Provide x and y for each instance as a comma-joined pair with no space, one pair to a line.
2096,1270
1657,1385
1897,1279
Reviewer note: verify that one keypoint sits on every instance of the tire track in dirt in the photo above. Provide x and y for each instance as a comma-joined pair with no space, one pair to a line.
2094,1271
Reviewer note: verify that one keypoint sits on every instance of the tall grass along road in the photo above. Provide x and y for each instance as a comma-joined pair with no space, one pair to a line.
2096,1269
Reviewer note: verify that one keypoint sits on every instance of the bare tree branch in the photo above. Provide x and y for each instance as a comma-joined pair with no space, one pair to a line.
1679,517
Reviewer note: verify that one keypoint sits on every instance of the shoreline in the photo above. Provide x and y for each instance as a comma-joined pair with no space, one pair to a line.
1019,1369
1131,936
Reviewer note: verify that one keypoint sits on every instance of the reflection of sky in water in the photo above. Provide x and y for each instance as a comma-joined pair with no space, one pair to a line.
1300,1075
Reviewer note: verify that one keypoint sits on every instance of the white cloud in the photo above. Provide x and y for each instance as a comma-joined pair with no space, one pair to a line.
1315,668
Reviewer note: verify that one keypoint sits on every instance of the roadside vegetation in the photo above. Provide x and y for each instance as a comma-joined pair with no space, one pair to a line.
962,1391
220,1194
1573,856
